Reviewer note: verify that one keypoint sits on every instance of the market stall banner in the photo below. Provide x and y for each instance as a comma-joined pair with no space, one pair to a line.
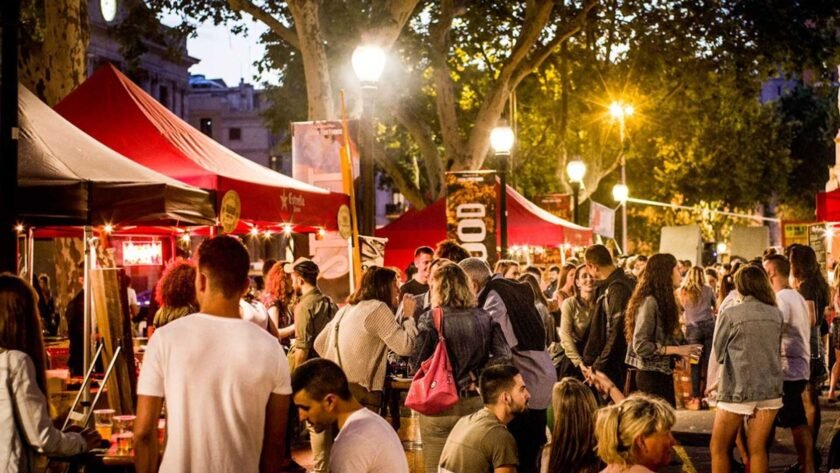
471,212
794,232
315,152
601,219
816,240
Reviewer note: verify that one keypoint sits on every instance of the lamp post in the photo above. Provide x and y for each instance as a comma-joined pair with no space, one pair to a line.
501,139
576,170
368,63
8,134
621,111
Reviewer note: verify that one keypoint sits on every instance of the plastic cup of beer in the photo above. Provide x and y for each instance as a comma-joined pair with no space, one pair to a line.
125,442
104,419
124,424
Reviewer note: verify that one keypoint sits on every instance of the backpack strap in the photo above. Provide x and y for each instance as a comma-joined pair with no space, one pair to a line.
339,316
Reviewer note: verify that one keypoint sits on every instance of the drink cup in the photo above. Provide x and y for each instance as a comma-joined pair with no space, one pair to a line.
125,442
103,419
124,424
161,431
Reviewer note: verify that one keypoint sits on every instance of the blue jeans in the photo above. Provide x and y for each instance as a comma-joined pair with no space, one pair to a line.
702,334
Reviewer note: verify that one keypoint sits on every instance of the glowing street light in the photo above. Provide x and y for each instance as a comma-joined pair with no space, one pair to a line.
620,111
620,193
502,139
368,63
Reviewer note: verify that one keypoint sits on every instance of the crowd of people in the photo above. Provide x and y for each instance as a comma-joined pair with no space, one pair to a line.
585,351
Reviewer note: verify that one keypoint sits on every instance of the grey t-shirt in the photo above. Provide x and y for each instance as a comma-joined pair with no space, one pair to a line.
478,443
699,311
796,333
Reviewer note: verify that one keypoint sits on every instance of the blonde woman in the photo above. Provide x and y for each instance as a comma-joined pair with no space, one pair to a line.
472,339
507,268
698,300
634,436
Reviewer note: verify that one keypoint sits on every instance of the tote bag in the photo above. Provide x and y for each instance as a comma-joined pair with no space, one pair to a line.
433,388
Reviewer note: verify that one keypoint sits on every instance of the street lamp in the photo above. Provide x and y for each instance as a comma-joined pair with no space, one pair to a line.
621,193
368,63
620,111
501,139
576,170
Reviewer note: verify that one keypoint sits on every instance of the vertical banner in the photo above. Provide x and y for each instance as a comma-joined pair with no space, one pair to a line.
315,153
601,219
816,240
471,212
373,251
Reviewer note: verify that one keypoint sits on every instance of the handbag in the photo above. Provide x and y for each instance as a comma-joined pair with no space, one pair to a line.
433,389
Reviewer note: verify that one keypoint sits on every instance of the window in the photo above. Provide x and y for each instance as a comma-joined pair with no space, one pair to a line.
234,134
163,95
206,126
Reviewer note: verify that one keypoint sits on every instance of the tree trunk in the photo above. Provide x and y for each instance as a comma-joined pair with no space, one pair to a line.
319,92
53,59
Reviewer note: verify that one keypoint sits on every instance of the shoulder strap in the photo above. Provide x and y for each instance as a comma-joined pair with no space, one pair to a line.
437,316
338,318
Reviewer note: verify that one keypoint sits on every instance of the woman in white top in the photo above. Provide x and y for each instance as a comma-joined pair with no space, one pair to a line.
359,335
27,427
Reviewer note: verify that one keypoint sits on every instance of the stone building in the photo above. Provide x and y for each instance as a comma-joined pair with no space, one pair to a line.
233,117
163,71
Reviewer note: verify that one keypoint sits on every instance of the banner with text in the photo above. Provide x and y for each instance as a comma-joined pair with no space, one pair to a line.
471,211
601,219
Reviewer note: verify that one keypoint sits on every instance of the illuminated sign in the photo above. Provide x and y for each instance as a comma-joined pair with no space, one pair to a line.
149,253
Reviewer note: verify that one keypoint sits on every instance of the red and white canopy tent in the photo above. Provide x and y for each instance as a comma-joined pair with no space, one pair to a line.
118,113
828,206
528,224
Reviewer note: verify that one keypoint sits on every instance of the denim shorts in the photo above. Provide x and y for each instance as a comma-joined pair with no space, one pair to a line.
749,408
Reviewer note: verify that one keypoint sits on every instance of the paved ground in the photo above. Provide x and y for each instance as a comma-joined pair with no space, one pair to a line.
693,431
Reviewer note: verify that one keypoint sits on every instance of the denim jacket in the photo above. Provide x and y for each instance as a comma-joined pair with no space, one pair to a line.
26,425
648,337
472,340
747,344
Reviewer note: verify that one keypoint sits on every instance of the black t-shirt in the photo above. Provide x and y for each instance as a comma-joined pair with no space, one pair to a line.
414,288
818,293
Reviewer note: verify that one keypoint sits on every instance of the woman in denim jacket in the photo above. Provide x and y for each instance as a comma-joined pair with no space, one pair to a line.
27,429
747,345
472,340
652,328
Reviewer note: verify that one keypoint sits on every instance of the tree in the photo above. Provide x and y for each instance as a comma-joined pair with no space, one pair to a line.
444,39
53,42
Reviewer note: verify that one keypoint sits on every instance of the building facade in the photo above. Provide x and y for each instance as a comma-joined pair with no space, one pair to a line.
163,71
233,117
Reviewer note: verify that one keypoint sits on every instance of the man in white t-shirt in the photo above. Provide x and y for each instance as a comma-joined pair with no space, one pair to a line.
796,358
225,380
366,443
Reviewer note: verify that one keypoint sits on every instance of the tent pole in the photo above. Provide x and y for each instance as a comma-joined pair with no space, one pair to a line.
31,254
88,237
10,18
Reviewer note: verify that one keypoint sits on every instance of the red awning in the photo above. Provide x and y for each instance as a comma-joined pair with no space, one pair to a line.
528,224
118,113
828,206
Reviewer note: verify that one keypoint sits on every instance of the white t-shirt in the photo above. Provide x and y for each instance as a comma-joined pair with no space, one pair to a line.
216,374
367,444
796,335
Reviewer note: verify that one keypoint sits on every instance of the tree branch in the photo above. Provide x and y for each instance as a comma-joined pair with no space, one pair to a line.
444,88
388,18
277,27
424,138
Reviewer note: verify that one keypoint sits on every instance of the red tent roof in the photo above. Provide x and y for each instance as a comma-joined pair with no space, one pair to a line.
828,206
528,224
120,114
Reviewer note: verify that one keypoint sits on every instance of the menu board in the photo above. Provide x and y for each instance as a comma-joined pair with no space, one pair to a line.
816,240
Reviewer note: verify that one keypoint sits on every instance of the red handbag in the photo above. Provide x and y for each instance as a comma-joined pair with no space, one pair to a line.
433,388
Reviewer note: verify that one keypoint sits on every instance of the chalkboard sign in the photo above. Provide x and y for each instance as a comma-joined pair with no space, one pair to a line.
816,240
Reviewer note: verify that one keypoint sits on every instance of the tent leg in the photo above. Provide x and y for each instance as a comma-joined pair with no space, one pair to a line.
31,254
86,338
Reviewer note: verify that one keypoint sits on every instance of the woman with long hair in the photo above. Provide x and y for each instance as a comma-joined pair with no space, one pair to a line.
565,283
278,300
634,436
652,328
542,307
359,335
807,278
698,301
747,344
573,435
175,292
471,340
575,317
27,427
